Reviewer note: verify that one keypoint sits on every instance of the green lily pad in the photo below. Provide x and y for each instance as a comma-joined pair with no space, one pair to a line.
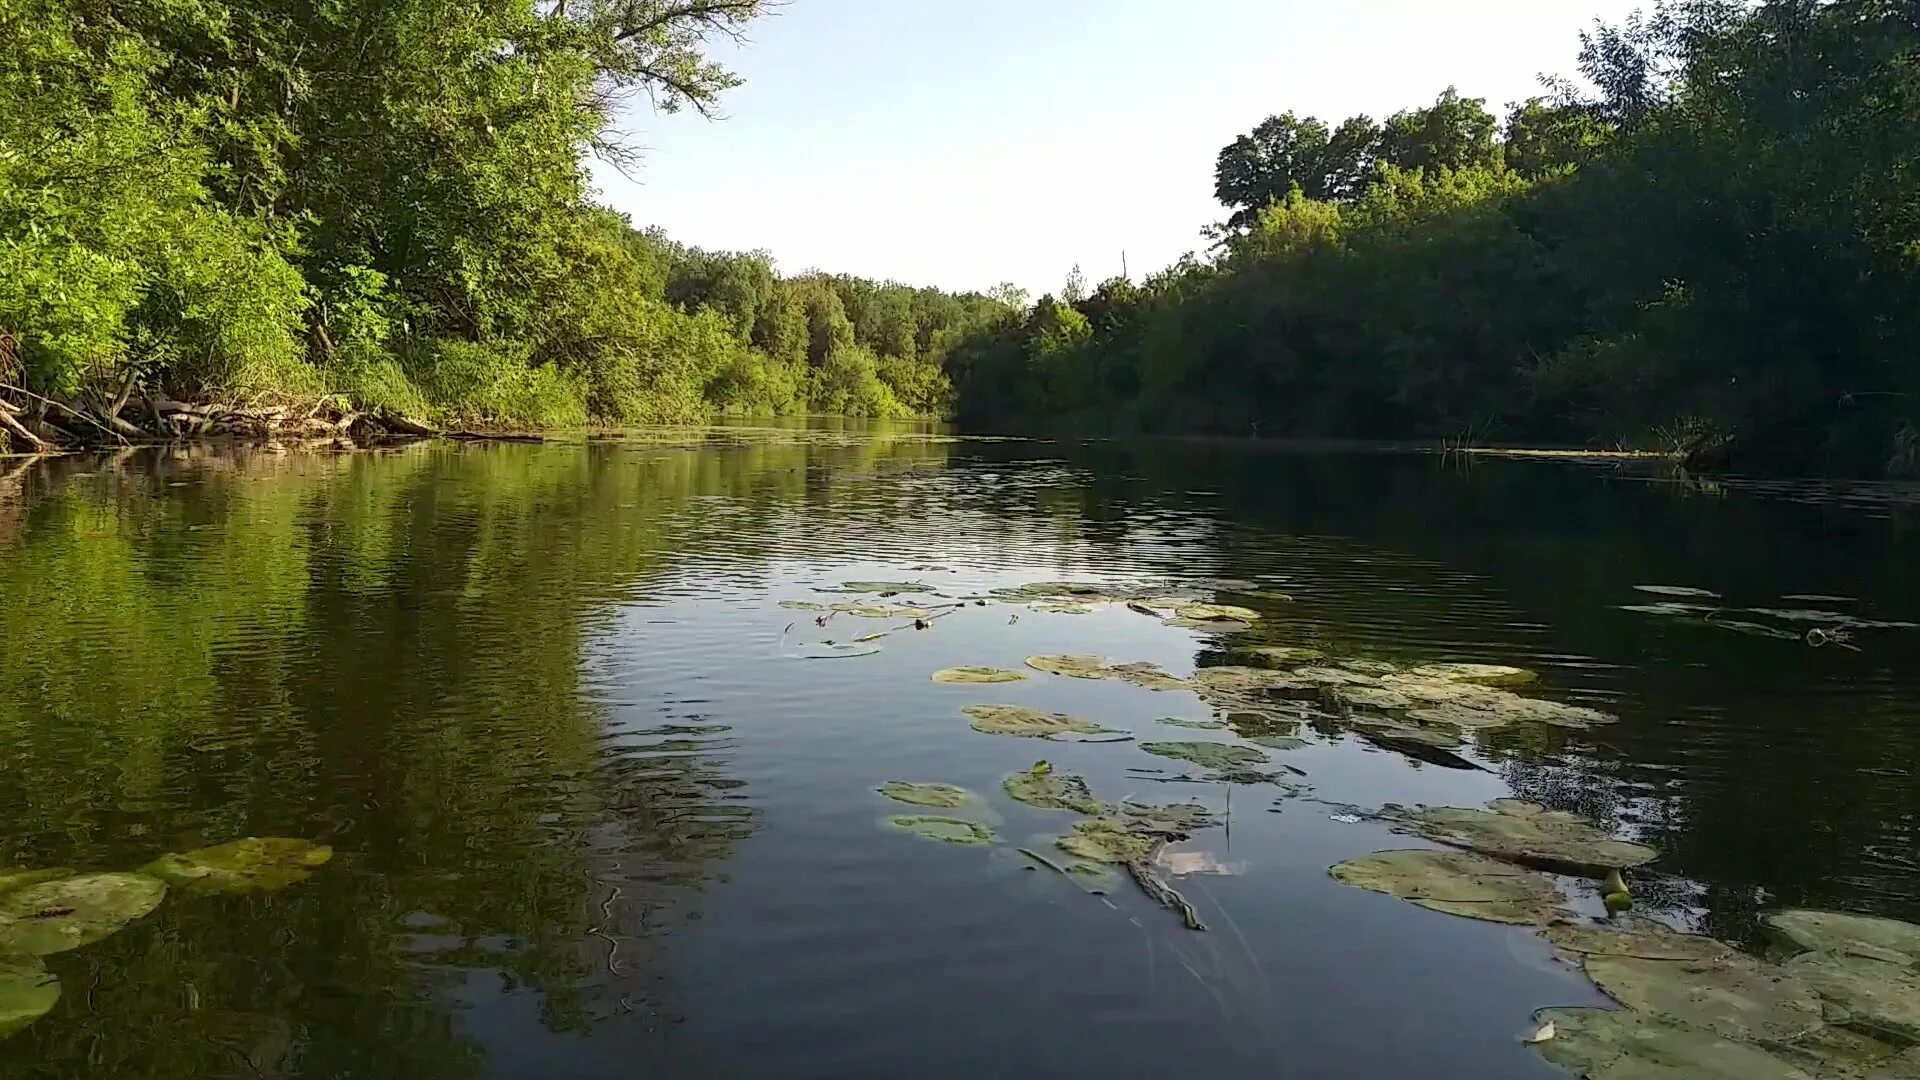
1736,996
1244,680
1456,882
1333,676
1471,705
1603,1044
1253,724
1077,667
944,829
864,611
27,992
1525,833
1052,790
946,796
977,675
802,605
1022,722
1441,736
1207,755
55,916
1058,607
12,878
1210,626
1882,998
1178,817
1104,840
1147,676
1834,931
1216,613
1282,654
1373,697
884,586
1678,590
1479,674
1197,725
1642,938
251,864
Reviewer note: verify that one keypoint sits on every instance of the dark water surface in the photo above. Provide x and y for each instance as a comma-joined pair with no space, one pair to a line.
594,817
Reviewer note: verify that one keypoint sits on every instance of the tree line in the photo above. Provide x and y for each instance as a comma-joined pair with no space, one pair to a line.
390,203
1709,242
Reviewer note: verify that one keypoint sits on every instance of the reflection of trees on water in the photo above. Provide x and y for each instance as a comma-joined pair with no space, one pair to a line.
384,652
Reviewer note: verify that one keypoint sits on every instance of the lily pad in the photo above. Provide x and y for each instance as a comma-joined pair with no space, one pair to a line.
884,586
1442,736
1243,680
1642,938
946,796
1197,725
1105,840
1208,755
1333,676
1052,791
1525,833
1474,706
1057,607
1179,817
1736,996
27,992
1373,697
1020,721
802,605
977,675
1077,667
865,611
1481,674
11,879
1147,676
1216,613
944,829
55,916
1604,1044
1282,654
1834,931
1210,626
1455,882
252,864
1882,998
1678,590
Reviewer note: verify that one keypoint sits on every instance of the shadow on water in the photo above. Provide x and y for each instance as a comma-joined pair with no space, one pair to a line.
590,817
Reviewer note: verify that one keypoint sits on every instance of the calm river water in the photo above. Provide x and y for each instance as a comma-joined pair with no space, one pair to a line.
596,814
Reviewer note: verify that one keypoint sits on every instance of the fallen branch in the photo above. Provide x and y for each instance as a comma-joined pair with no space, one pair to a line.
1162,893
407,425
52,404
13,427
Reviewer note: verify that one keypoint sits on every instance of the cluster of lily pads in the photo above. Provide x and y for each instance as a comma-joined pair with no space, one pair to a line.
1814,625
1839,998
46,912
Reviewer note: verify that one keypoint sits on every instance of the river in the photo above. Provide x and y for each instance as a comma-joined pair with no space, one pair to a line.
601,807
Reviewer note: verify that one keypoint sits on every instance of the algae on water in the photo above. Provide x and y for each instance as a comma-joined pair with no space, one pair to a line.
946,796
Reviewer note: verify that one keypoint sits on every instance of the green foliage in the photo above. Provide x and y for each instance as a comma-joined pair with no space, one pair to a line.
1712,248
389,202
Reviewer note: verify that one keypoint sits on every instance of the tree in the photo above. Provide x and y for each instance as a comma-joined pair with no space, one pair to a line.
1543,137
1454,132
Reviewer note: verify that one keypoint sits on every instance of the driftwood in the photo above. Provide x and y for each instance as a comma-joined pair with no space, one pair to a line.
94,420
10,423
1162,893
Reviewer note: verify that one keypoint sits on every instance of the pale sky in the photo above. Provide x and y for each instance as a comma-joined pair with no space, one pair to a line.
961,143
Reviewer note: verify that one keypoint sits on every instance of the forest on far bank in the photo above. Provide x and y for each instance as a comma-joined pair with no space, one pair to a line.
1706,240
1709,243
